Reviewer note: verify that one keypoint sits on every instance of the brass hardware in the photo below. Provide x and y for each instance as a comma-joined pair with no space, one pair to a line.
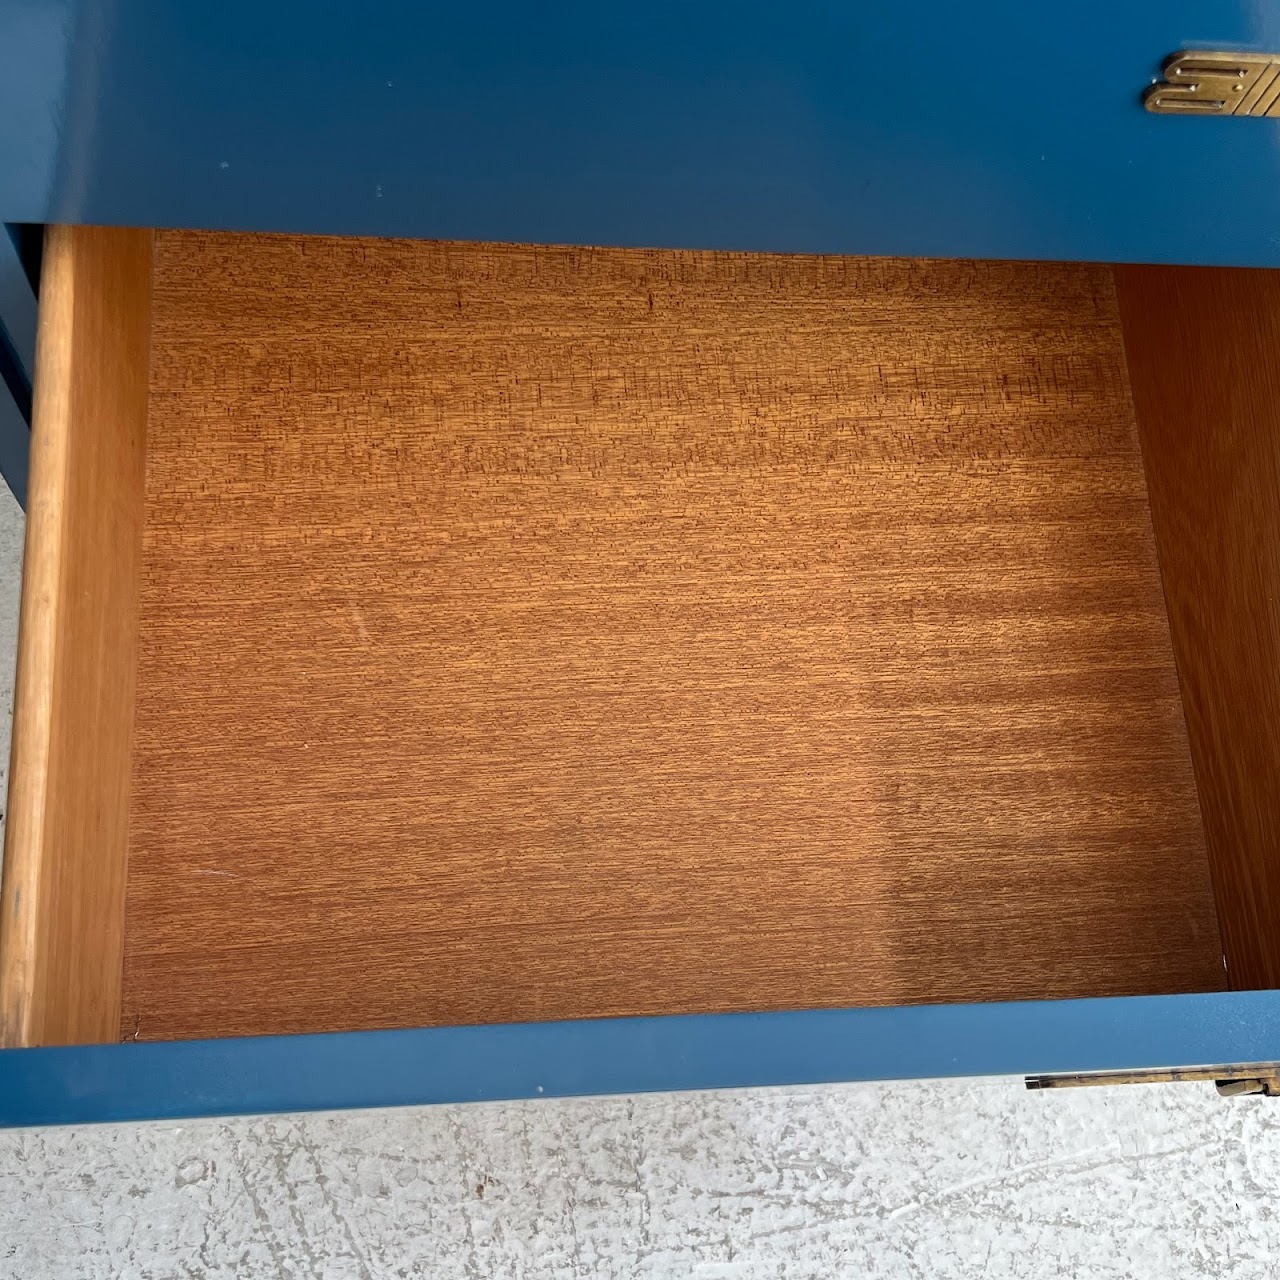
1261,1078
1211,83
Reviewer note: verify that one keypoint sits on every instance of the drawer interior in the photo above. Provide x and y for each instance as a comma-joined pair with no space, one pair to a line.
421,633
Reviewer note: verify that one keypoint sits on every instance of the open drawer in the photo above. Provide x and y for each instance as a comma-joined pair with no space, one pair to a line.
424,634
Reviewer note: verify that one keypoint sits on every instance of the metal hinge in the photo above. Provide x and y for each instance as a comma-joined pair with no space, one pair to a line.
1261,1078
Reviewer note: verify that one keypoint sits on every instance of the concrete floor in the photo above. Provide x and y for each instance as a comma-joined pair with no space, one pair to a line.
933,1180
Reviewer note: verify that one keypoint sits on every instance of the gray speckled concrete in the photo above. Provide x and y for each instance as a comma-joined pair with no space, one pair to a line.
925,1180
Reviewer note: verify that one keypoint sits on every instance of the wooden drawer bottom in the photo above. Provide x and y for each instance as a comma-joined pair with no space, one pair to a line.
422,634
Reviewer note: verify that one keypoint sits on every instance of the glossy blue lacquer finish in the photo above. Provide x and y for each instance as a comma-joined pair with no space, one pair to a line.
629,1055
998,128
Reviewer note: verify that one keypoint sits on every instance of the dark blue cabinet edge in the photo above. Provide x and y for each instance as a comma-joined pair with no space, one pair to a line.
15,419
184,1079
28,242
19,267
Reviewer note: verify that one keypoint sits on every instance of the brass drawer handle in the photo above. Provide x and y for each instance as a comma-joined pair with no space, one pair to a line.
1231,1082
1211,83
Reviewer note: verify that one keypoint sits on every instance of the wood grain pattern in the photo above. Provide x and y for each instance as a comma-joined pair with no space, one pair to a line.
62,907
1203,347
534,633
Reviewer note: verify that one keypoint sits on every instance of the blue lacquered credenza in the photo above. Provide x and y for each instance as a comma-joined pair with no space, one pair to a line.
582,549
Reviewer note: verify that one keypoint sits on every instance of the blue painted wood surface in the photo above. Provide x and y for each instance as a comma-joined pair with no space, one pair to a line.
999,128
630,1055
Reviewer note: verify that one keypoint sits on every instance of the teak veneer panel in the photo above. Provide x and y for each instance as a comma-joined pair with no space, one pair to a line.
1204,354
66,840
532,633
